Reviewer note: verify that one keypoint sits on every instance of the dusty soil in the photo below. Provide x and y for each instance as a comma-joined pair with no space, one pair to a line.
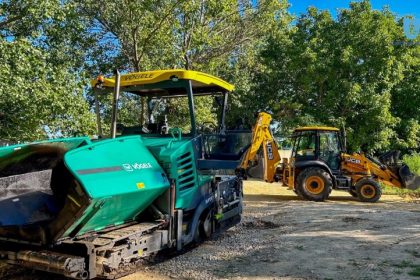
283,237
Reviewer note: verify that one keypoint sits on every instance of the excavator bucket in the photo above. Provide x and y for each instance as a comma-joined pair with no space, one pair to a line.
408,179
391,160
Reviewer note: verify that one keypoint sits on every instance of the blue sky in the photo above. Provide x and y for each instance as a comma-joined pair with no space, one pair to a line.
399,7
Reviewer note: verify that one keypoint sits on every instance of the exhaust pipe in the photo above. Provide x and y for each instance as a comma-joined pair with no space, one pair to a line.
115,103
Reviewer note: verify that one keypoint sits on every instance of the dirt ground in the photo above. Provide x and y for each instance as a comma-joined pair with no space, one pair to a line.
283,237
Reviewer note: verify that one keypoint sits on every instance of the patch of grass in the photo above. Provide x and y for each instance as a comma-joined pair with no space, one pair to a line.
299,247
404,264
415,268
413,161
415,271
401,192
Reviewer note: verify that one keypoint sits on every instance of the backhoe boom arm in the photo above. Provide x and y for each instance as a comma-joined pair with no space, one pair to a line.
261,136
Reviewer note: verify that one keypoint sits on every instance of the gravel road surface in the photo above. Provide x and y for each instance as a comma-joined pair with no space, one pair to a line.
283,237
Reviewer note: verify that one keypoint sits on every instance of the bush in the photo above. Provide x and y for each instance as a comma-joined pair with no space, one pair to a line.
413,161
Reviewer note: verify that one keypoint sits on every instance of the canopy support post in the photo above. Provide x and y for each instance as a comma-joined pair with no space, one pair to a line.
224,109
115,103
191,108
98,115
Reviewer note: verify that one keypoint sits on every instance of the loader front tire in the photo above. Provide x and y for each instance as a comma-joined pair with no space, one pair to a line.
314,184
368,190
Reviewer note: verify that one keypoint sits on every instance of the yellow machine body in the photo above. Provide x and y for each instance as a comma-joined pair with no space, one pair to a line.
358,166
262,137
318,164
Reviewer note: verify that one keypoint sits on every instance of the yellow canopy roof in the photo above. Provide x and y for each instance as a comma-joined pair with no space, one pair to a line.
328,128
144,81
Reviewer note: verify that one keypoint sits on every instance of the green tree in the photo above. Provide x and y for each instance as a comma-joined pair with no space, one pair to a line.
41,53
406,98
204,35
337,72
37,98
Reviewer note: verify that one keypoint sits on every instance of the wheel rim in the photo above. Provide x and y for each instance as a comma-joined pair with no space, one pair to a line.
314,185
368,191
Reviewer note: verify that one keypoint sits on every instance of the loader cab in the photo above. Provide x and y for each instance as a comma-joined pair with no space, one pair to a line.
317,144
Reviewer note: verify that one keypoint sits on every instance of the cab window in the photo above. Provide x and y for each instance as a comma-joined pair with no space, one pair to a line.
305,145
329,149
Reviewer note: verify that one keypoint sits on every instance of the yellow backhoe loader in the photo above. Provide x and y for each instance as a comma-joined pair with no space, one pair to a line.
319,163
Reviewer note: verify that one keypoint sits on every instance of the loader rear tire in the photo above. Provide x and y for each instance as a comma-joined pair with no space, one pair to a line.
368,190
314,184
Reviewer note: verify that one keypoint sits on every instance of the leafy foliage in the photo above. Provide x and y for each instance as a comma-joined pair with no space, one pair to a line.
406,99
208,36
413,162
38,99
41,51
358,71
337,72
